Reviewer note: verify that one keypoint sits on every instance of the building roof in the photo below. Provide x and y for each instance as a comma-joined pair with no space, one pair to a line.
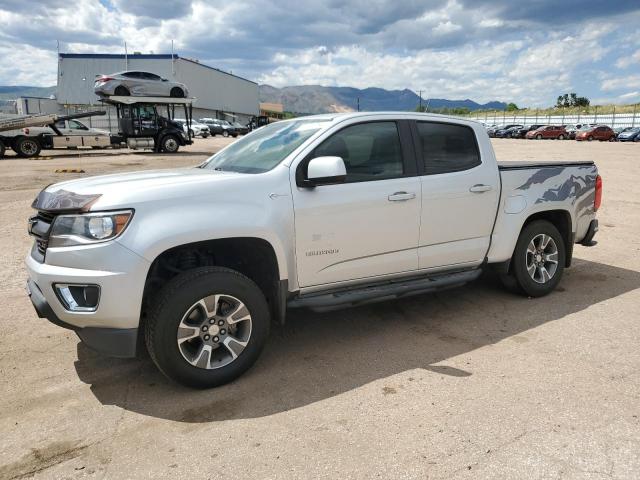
147,56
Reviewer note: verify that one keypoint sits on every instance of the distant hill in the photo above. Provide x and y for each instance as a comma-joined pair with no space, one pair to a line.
318,99
12,92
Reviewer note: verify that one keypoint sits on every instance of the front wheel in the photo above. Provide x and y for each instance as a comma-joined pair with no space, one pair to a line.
2,149
538,137
208,326
225,133
612,139
561,137
590,138
170,144
538,260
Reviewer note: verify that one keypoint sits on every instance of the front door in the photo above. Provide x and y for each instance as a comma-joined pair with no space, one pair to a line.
460,193
367,226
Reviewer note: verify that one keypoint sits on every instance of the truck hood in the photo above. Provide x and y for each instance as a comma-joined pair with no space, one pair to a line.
127,189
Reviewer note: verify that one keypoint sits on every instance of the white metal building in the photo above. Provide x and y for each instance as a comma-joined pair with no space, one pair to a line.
219,94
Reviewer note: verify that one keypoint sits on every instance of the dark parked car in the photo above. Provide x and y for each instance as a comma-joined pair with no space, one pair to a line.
521,132
556,132
219,127
241,129
492,131
602,133
629,134
507,132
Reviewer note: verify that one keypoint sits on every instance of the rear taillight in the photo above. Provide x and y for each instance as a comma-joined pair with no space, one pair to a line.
104,79
598,198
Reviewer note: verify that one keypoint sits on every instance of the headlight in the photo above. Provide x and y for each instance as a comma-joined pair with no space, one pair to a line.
88,228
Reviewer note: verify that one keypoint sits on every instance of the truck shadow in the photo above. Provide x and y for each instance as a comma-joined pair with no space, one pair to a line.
318,356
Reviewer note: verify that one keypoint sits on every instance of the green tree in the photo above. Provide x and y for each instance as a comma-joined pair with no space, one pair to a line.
511,107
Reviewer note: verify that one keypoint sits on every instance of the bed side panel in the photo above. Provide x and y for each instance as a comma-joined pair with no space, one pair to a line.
529,191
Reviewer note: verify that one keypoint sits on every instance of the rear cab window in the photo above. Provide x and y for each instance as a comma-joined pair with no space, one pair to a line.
446,147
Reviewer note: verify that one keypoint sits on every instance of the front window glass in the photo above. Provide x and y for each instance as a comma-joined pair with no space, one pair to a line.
265,148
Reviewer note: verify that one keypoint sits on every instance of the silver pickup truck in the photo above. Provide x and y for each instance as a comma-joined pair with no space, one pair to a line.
320,212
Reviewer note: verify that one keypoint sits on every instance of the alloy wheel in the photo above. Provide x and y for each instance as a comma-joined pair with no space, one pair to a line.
542,258
214,331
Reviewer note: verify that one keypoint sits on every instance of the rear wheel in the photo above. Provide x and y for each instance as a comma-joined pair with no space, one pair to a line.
560,137
27,147
225,133
170,144
208,327
538,260
590,138
177,92
538,137
612,138
121,91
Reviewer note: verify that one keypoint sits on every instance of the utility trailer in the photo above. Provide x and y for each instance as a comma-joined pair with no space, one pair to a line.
148,122
21,134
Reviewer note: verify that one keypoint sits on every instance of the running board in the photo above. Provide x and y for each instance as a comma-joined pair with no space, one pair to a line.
383,292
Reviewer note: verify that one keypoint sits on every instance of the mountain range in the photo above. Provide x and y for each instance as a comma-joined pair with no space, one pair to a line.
314,98
318,99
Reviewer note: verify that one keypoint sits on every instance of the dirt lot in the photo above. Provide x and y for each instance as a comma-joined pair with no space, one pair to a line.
468,383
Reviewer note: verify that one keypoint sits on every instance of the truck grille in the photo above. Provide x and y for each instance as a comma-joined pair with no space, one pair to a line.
40,228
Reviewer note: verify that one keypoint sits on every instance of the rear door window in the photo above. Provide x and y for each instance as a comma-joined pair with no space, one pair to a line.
447,147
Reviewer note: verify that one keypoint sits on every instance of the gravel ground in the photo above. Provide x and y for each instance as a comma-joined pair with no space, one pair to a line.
468,383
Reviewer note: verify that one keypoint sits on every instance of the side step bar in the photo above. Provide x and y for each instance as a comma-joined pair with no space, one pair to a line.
382,292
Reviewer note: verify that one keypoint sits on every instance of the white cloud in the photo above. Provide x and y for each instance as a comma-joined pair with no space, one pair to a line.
627,61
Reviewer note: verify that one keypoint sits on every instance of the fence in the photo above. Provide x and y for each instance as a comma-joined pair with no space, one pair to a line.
612,119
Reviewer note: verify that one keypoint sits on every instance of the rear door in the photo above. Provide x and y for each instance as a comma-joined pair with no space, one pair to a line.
460,193
369,225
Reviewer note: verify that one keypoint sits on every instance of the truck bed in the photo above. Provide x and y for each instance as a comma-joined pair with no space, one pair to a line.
516,165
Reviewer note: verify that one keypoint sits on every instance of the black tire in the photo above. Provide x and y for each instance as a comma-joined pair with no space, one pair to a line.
169,144
175,300
27,147
121,91
538,137
518,268
234,135
205,135
2,149
560,137
590,138
225,133
176,92
612,139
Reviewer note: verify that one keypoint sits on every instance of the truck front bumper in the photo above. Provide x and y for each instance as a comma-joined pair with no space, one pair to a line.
114,342
112,327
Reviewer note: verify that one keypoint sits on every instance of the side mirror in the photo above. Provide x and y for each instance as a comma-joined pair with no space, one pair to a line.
164,79
325,171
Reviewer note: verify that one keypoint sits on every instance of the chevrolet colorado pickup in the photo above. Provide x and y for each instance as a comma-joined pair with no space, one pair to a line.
320,212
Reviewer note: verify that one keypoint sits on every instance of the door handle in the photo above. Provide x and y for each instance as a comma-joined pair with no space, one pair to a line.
480,188
401,197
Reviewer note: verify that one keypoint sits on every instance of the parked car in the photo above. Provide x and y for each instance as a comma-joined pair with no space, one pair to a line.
521,132
197,129
241,129
630,134
572,130
555,132
219,127
507,132
138,84
602,133
201,295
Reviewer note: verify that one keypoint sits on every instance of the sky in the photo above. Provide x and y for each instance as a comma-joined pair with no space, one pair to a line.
528,52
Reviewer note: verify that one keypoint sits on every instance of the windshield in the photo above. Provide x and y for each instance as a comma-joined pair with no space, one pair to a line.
263,149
